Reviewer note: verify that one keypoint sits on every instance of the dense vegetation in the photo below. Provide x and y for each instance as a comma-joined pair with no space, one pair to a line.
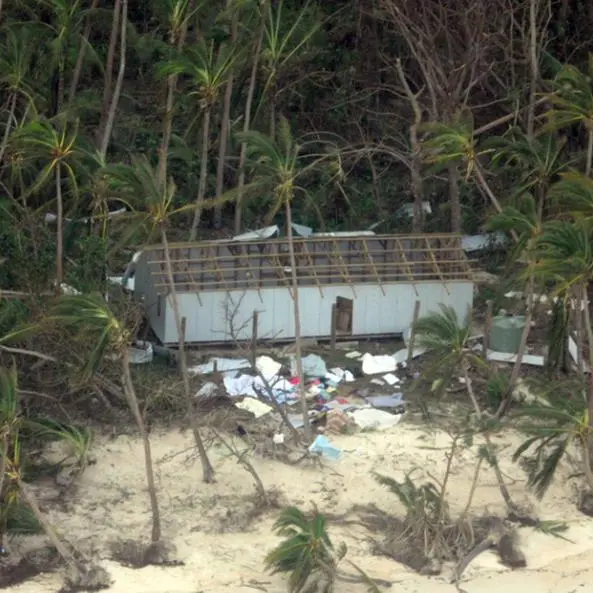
126,122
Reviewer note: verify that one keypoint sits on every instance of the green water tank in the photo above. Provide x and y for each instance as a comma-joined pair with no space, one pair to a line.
505,335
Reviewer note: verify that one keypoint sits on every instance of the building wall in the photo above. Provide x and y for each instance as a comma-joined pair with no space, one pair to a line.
155,306
208,316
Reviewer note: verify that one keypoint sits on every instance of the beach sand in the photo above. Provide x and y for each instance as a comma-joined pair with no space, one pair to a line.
223,549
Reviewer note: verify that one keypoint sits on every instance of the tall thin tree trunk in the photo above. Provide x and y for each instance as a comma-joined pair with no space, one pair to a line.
8,127
246,125
530,306
504,491
203,174
207,469
59,230
48,529
416,158
107,84
589,330
170,103
118,83
60,97
3,464
81,55
589,152
225,124
454,198
534,66
130,393
297,323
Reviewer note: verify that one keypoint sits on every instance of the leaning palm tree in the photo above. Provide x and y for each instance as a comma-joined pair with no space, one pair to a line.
447,340
455,143
141,179
565,257
556,421
279,164
523,217
82,574
535,162
572,103
60,150
208,71
91,316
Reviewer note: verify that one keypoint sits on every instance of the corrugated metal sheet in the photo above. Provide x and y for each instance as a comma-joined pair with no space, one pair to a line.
226,317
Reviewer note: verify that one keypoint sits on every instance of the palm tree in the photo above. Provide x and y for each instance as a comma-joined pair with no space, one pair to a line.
536,161
574,193
208,71
279,49
141,179
83,574
558,420
91,316
572,103
16,62
178,14
257,49
307,553
63,155
446,339
455,142
565,257
279,164
66,29
523,217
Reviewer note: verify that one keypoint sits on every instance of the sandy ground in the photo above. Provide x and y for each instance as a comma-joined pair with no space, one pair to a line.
207,523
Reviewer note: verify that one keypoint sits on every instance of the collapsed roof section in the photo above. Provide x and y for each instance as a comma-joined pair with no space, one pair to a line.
259,260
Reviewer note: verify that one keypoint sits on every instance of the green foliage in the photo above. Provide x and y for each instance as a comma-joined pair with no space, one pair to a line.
93,319
306,554
423,503
556,421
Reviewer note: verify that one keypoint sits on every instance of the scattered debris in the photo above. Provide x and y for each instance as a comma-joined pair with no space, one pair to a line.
220,365
256,407
314,366
374,365
531,359
141,353
207,390
323,447
374,419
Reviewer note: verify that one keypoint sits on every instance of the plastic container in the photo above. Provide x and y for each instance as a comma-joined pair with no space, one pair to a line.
505,335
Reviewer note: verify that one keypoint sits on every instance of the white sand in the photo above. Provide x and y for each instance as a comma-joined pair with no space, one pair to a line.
111,502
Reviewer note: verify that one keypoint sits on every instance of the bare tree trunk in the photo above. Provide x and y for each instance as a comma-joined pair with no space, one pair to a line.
203,174
534,66
225,124
3,464
504,491
454,198
416,159
246,124
589,152
81,55
59,230
297,324
168,122
118,83
8,127
109,68
56,542
207,469
130,393
589,330
530,305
